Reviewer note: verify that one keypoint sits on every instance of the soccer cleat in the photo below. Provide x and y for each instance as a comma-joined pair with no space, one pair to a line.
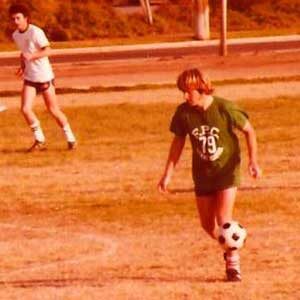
72,145
37,146
233,275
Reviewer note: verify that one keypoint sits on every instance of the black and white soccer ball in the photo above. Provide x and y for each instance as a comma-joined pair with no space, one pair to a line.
232,235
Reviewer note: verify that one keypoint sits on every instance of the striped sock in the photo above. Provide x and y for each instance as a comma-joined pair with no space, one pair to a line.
232,259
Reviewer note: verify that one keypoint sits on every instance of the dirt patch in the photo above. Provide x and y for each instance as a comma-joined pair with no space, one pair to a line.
171,95
158,71
91,225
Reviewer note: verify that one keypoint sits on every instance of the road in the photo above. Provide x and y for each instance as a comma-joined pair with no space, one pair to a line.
179,49
161,63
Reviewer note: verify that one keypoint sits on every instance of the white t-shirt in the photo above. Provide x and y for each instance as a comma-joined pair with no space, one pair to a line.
30,41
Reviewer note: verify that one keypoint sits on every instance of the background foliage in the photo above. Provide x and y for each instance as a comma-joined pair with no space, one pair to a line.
91,19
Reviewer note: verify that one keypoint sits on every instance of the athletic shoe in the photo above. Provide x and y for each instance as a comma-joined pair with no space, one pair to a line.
37,146
72,145
233,275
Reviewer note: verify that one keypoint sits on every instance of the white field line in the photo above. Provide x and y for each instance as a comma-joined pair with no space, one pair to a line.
109,243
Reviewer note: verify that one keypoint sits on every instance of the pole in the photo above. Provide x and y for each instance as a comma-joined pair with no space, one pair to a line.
223,41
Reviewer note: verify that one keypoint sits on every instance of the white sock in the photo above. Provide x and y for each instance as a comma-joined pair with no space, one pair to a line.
69,133
37,132
233,261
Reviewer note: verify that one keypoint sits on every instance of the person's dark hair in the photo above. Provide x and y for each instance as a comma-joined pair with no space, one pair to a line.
19,8
194,79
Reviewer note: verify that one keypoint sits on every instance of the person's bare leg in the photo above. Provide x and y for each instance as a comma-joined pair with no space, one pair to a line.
28,96
50,99
206,209
52,105
225,200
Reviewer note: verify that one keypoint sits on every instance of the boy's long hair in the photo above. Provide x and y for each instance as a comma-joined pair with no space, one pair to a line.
19,8
193,79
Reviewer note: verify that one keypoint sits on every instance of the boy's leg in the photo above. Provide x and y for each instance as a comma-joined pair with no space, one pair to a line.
50,99
28,96
206,209
225,204
224,210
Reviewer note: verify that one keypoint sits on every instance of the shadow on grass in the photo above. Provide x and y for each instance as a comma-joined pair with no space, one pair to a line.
11,151
47,150
56,283
243,188
181,191
271,187
173,279
67,282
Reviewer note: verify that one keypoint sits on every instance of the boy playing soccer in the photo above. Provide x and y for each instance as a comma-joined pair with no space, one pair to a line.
38,76
210,122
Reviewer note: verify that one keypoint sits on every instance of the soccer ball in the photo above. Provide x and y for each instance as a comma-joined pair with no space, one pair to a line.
232,235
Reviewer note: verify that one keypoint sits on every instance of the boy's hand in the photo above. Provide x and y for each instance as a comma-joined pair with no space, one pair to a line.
20,71
254,170
162,184
27,56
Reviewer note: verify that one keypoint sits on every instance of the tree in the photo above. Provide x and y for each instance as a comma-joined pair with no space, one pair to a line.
201,19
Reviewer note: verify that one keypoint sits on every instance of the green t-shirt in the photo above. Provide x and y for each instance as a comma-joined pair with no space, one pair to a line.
215,145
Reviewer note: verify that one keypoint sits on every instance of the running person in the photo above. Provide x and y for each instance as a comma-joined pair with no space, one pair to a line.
210,122
38,76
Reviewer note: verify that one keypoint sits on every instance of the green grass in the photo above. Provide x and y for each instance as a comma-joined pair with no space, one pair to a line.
59,206
128,134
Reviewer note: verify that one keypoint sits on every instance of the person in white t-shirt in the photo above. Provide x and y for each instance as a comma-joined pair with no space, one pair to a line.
38,76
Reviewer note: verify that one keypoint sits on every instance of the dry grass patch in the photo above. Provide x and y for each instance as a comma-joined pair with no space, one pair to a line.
89,224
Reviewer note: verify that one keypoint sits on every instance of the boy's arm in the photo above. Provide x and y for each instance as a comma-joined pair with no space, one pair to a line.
174,155
43,52
250,136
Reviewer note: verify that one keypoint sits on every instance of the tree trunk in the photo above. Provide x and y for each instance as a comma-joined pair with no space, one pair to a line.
201,19
147,10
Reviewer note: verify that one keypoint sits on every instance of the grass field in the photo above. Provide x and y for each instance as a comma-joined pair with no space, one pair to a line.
90,224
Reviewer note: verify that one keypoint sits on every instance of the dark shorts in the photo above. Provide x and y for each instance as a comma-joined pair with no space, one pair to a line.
211,185
40,87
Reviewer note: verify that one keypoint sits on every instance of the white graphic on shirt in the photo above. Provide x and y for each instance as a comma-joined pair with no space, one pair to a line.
208,137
